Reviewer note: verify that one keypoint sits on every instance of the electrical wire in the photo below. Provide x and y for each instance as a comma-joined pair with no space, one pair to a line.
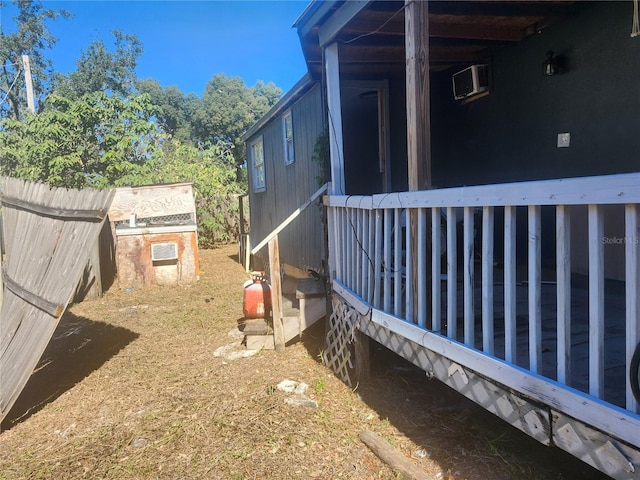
363,35
11,87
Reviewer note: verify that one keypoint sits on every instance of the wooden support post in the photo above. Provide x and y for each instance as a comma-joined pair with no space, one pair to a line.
418,121
276,294
418,114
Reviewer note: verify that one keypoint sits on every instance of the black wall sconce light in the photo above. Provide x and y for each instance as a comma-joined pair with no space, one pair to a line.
551,64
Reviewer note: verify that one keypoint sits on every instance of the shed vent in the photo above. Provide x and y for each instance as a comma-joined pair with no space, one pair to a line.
164,251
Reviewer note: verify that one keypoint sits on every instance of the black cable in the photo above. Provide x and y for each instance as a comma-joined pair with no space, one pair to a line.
634,373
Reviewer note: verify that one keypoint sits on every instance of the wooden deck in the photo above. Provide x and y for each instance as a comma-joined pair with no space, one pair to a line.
420,268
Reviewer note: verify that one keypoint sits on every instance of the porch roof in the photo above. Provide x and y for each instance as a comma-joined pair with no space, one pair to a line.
371,33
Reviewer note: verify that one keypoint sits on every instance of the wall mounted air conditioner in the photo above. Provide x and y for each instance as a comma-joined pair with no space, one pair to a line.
164,251
470,81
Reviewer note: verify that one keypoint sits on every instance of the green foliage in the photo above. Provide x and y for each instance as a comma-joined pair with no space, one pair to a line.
230,108
100,70
93,141
212,173
175,110
321,156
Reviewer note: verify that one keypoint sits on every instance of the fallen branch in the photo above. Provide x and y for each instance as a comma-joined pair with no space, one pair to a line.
392,457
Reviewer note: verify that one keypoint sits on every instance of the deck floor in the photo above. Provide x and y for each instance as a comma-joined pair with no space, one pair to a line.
614,342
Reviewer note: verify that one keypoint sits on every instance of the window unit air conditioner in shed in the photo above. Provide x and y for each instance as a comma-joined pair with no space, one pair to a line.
470,81
161,252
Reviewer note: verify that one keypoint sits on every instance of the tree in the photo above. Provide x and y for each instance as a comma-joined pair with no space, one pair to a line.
93,141
175,110
100,70
31,38
229,108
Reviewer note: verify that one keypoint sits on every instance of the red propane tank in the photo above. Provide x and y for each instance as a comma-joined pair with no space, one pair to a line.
257,297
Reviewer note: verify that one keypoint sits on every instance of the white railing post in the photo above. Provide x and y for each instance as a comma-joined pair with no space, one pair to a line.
379,242
563,293
408,280
510,340
632,284
452,275
436,269
386,249
469,287
397,263
487,280
535,281
596,301
422,293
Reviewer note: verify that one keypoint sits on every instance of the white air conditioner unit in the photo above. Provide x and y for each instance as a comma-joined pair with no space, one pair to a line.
164,251
470,81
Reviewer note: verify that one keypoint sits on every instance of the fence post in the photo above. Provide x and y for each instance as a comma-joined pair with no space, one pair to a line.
276,294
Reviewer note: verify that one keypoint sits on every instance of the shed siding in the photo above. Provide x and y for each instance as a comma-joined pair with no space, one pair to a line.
289,186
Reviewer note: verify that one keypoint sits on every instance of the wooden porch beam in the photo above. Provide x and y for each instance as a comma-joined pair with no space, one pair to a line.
417,78
332,69
340,19
418,126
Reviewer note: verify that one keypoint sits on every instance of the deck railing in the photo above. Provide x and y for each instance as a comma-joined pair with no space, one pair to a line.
467,264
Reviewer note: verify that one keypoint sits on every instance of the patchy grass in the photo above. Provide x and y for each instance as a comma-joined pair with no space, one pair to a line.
129,388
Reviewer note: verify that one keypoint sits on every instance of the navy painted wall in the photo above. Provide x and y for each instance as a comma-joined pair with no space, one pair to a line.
511,134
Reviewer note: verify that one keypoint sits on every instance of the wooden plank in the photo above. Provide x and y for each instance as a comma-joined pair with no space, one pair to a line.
605,189
152,201
534,289
487,280
276,294
392,457
469,286
632,287
436,269
290,218
563,293
510,336
596,301
50,308
332,75
452,274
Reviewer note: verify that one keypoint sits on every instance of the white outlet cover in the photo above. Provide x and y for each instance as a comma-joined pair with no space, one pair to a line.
564,140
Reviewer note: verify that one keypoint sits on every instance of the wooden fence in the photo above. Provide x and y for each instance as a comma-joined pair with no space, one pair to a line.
49,235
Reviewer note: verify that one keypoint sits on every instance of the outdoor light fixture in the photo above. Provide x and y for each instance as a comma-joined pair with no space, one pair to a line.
550,65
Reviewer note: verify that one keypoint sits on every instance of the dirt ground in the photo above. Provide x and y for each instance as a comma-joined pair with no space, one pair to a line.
131,387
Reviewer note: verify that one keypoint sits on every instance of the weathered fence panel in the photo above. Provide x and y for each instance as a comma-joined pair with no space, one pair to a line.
49,235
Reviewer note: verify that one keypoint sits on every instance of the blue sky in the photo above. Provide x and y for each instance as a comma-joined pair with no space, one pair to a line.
186,42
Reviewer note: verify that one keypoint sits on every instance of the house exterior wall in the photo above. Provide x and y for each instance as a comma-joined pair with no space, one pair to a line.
511,134
289,186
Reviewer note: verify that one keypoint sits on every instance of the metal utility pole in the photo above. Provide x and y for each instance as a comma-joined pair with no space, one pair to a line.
28,83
